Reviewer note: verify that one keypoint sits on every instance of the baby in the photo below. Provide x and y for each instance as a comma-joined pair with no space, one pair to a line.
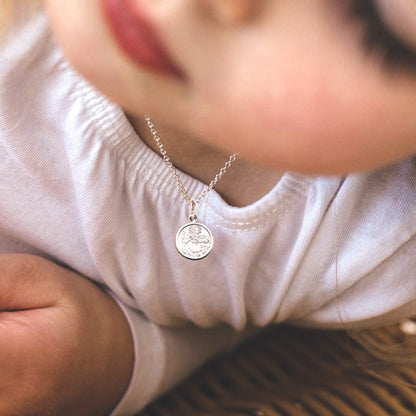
178,173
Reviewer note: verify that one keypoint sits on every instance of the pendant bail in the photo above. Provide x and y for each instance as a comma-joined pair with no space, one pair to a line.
192,215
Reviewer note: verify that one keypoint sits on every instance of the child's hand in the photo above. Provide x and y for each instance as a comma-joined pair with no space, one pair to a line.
65,347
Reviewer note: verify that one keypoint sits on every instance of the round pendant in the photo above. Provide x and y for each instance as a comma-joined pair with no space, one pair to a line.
194,241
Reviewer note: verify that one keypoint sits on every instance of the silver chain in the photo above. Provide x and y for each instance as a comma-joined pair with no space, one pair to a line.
191,202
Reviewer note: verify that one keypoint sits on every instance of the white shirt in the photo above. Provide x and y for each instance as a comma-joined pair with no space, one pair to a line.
79,187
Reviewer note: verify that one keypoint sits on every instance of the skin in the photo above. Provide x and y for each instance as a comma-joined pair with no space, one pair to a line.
285,83
295,88
54,357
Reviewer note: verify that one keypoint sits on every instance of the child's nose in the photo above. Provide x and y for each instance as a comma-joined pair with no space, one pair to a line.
231,11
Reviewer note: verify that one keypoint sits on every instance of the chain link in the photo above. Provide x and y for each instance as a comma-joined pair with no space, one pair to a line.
191,202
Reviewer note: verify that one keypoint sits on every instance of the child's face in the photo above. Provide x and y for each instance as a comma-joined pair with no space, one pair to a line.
287,83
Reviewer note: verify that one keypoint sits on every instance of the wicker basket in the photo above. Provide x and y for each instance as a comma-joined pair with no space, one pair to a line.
293,372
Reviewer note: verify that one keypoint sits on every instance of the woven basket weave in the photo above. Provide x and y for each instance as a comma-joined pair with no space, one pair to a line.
293,372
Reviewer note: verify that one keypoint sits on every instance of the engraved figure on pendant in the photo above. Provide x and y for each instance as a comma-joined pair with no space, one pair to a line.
194,241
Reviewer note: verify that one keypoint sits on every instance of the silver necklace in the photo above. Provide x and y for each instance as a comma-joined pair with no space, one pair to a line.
194,240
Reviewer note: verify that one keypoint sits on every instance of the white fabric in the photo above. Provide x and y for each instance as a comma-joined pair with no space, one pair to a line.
79,187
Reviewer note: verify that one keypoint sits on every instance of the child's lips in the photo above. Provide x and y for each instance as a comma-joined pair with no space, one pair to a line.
137,38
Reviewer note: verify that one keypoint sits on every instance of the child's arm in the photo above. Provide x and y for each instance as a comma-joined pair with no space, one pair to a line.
66,348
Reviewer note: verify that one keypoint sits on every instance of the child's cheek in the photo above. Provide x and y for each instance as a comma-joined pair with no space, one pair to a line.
319,123
81,34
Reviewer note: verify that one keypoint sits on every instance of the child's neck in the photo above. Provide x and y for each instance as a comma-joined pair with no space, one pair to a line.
243,184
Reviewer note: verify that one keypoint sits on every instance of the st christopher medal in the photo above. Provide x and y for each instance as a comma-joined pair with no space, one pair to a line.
194,240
